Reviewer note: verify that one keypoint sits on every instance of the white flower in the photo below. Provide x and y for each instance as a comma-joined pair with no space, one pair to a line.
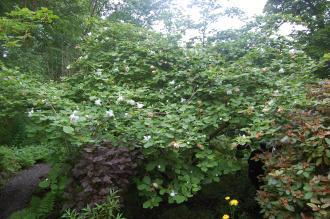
105,28
98,72
68,67
271,102
155,185
285,139
183,100
158,166
120,99
131,102
236,89
98,102
152,52
5,54
293,52
265,110
172,82
126,114
281,71
73,117
147,137
276,93
109,113
176,145
126,68
139,105
89,33
172,194
229,92
30,113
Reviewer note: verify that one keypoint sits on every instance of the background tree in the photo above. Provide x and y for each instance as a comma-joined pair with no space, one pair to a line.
315,15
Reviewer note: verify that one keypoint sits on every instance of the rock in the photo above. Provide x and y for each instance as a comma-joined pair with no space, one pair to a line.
17,193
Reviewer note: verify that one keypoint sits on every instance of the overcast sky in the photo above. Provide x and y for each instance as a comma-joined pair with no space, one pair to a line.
250,7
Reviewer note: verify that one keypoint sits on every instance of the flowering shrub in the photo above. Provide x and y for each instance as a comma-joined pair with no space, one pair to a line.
184,109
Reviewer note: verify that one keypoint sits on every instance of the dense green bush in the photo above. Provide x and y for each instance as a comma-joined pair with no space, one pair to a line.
185,110
14,159
297,179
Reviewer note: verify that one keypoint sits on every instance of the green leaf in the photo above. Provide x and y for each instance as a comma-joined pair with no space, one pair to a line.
179,198
308,195
68,129
44,184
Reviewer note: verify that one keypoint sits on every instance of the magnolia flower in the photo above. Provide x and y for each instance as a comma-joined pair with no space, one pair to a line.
285,140
5,54
172,194
229,92
236,89
280,109
131,102
293,52
271,102
139,105
265,110
172,82
276,93
109,113
30,113
73,117
175,145
98,72
98,102
120,99
264,69
281,70
89,33
147,137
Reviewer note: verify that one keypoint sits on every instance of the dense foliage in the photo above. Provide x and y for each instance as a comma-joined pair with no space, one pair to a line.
181,111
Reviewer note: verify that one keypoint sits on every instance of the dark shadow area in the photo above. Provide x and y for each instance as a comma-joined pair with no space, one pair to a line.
209,203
